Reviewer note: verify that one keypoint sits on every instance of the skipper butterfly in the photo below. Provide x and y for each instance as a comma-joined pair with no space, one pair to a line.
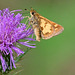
43,28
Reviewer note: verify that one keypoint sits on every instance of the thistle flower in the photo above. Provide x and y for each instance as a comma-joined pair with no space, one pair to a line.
11,31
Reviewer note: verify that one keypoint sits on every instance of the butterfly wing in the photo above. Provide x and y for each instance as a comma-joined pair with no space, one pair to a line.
58,28
49,28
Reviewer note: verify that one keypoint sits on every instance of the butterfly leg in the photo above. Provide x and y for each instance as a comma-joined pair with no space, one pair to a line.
28,21
26,17
37,33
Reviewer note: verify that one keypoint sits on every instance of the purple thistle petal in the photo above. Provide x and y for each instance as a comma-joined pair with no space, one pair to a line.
4,64
15,10
11,59
30,39
26,44
0,12
17,50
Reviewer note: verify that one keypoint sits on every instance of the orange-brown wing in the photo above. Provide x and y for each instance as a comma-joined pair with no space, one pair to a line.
58,28
49,28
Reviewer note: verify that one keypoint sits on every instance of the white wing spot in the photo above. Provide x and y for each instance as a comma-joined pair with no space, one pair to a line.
56,28
56,25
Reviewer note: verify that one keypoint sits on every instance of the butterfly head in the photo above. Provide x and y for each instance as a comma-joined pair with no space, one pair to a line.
33,12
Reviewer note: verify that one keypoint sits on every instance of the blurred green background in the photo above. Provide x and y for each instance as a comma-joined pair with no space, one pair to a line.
55,56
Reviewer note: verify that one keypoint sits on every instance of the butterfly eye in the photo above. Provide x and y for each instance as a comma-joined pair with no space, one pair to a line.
32,13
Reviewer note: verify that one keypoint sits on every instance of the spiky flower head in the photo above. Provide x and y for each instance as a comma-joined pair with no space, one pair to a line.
11,31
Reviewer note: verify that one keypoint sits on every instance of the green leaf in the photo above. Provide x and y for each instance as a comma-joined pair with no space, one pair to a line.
20,56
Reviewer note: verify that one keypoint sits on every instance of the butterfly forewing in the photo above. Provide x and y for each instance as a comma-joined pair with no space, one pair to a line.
58,28
49,28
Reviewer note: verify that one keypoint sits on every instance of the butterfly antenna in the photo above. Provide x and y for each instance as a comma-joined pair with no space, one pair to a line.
26,9
29,23
31,8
